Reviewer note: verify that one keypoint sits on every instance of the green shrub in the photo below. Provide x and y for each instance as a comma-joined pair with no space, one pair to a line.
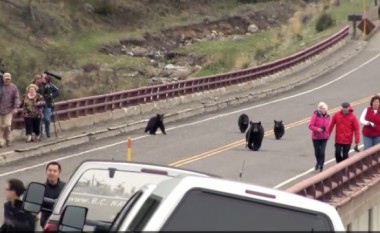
324,22
104,8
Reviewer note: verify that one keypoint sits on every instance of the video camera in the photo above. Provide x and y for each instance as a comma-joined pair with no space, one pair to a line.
53,75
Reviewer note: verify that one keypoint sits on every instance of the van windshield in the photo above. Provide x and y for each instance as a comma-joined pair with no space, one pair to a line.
105,196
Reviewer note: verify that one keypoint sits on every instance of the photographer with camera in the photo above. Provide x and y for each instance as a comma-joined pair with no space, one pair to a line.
48,91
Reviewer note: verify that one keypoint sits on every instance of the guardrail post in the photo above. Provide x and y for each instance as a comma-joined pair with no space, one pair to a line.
129,149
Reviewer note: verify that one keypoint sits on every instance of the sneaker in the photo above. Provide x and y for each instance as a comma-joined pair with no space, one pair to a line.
28,138
38,138
33,138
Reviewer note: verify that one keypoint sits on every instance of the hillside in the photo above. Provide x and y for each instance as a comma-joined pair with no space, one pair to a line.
102,46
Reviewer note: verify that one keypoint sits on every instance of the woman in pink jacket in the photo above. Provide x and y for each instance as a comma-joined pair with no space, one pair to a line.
319,122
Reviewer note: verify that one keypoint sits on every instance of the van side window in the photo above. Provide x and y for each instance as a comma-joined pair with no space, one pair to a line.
123,213
204,210
144,214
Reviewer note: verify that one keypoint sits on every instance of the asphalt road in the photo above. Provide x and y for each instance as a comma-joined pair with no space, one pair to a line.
212,142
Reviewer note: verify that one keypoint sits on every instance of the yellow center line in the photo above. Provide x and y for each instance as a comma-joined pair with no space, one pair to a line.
242,141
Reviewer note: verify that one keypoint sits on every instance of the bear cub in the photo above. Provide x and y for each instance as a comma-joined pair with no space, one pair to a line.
243,122
254,136
154,123
279,129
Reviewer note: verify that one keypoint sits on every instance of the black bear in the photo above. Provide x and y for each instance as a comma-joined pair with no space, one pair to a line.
243,122
279,129
254,136
154,123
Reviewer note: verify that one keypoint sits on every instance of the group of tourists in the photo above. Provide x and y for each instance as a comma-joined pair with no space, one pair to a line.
36,106
18,220
346,127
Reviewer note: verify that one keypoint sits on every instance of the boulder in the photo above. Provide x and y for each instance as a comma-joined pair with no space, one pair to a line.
88,8
252,28
181,73
139,51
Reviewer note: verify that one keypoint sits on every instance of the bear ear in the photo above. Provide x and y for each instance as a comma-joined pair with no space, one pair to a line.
275,121
259,122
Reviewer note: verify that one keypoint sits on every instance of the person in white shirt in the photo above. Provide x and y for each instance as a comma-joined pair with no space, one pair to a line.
370,118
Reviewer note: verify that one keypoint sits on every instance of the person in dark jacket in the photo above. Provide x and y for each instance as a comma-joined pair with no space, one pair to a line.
48,91
15,218
54,187
318,124
347,126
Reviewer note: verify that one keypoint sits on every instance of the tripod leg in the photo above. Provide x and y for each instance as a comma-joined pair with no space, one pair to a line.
55,127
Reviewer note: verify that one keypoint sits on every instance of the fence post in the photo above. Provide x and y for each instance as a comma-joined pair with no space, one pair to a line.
129,149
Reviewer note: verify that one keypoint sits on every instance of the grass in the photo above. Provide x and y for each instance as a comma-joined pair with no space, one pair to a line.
266,46
54,44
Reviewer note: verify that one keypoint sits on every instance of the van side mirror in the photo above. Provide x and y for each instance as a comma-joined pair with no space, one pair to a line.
34,197
72,219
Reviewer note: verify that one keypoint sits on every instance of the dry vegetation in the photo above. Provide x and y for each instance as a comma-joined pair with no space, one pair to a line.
68,36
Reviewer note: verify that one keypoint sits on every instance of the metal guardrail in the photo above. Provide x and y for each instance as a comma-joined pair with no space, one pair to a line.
74,108
341,183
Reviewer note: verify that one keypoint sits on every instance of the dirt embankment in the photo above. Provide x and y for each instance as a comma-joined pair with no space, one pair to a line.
160,46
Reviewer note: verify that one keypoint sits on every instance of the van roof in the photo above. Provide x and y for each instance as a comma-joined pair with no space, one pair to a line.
118,163
182,184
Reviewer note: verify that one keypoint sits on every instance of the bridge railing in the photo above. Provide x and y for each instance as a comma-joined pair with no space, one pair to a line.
352,186
74,108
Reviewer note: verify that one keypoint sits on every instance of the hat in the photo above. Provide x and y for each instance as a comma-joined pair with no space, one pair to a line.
7,76
346,105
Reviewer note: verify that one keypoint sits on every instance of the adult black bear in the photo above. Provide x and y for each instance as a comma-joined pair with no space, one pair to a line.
243,122
254,136
279,129
154,123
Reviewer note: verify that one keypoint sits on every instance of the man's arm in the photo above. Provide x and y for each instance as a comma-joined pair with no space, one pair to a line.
332,124
356,130
16,99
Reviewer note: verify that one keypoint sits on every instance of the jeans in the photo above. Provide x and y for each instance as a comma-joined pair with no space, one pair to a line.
32,125
341,152
369,141
47,120
319,152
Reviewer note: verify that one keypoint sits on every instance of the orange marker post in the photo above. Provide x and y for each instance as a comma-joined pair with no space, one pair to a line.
129,149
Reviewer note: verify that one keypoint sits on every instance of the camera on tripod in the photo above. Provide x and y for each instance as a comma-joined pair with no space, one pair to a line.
53,75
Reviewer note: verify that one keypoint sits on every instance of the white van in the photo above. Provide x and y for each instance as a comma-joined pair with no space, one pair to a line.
213,204
191,203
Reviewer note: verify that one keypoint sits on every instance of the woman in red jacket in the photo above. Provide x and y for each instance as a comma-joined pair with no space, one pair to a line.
370,118
319,121
347,126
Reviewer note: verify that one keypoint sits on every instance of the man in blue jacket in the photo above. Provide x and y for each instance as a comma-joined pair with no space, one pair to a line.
49,91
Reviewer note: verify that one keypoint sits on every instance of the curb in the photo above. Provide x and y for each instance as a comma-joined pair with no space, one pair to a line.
203,107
